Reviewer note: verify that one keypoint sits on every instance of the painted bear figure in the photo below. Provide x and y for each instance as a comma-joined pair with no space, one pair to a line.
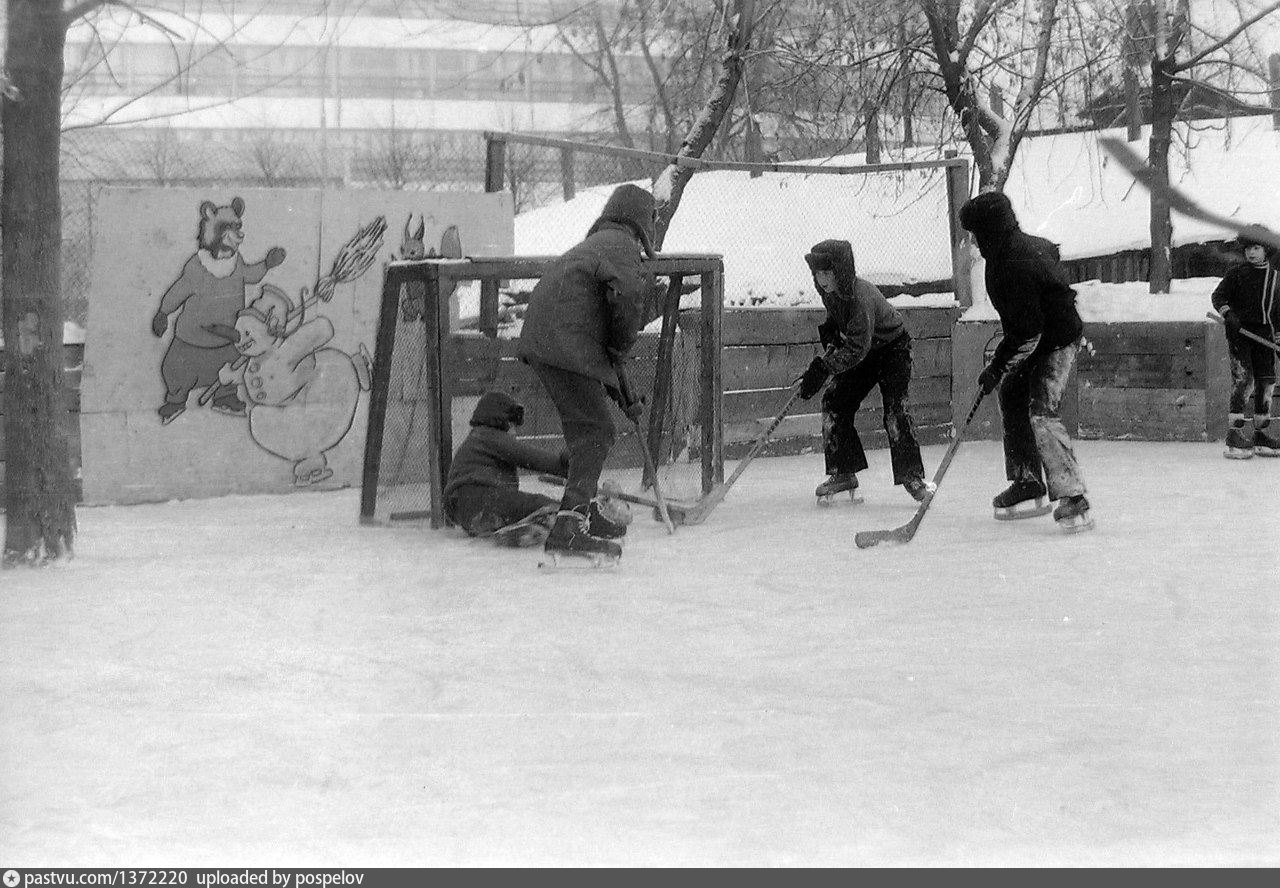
208,295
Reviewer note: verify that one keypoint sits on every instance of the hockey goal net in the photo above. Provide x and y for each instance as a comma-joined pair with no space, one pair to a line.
448,331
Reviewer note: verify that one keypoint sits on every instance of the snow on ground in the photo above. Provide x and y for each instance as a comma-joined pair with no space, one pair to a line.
263,681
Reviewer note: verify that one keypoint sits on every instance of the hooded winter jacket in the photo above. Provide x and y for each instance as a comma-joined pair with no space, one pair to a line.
1252,292
491,456
857,310
584,314
1027,286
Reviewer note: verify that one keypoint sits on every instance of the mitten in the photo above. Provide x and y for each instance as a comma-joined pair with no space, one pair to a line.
159,323
812,379
1232,322
275,256
988,379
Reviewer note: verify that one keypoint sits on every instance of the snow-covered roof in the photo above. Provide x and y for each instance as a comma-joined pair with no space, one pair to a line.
1063,187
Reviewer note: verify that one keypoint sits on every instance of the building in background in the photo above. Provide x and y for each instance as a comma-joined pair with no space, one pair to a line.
389,93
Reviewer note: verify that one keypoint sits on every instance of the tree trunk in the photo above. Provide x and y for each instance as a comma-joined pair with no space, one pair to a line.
1163,108
672,181
871,127
39,494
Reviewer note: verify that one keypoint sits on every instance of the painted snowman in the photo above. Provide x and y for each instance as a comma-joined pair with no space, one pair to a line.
301,393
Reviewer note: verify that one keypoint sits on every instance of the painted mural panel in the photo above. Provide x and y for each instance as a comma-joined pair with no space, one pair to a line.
231,335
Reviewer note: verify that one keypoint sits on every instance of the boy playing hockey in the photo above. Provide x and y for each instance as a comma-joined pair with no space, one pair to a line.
867,345
1248,298
482,493
583,318
1042,333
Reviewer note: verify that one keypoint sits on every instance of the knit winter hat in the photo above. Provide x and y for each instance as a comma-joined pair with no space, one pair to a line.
634,207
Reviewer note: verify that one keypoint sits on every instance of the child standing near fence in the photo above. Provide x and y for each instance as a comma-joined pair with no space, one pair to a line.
1248,298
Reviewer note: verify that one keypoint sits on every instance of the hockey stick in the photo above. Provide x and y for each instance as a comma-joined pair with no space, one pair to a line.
1213,316
677,509
865,539
624,386
700,510
1177,199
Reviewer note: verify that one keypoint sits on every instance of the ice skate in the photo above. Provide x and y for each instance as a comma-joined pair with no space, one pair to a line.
1072,514
838,482
531,530
1239,445
1021,499
919,488
170,411
1264,444
570,545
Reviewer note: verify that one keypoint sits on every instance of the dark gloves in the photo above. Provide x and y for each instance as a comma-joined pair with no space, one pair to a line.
275,256
1231,321
812,379
988,379
829,333
159,323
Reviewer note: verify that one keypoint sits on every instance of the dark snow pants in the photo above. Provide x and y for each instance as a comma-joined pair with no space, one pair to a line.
584,408
890,368
1036,442
480,508
1253,374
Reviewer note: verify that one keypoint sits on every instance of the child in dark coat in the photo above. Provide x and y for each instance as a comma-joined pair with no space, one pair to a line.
482,492
867,346
1042,334
1248,298
583,318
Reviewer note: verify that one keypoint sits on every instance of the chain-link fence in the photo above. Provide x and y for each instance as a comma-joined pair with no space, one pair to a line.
762,218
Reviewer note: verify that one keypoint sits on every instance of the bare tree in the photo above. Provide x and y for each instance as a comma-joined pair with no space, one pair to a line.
39,490
965,48
1182,52
671,183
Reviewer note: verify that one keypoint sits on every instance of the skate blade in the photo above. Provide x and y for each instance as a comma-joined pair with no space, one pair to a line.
1077,524
1022,510
829,500
1269,452
577,562
1237,453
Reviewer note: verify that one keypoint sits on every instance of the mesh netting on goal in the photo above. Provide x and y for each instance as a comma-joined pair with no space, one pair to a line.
417,427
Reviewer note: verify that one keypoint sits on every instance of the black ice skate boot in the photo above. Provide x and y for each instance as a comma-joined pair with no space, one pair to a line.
1239,444
837,482
1072,514
919,488
1021,499
601,525
1264,442
571,545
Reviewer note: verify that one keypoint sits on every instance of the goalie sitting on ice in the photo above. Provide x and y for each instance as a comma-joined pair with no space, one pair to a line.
482,494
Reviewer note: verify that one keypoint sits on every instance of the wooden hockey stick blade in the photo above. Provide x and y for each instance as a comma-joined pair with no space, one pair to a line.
1214,316
1176,198
865,539
676,508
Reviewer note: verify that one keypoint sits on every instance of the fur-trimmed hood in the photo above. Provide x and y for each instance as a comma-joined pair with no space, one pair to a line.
632,206
834,255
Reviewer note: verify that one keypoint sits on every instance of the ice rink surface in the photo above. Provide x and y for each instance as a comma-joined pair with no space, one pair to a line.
263,681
